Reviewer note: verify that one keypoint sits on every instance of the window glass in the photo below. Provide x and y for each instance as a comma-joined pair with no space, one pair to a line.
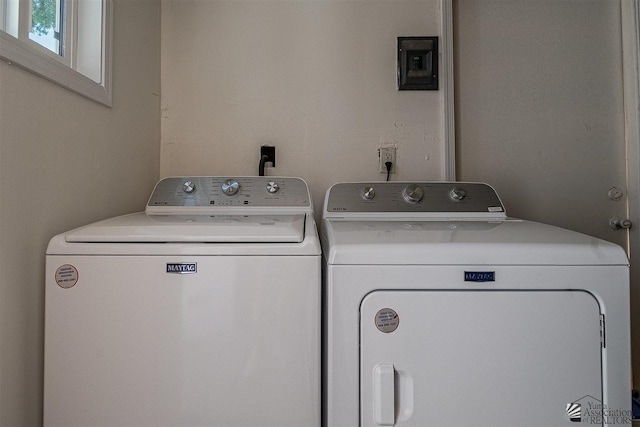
46,24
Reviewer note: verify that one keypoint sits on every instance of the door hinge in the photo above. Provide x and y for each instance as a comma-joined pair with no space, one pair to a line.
603,332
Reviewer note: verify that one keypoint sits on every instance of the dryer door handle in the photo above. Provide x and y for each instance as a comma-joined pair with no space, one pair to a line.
384,399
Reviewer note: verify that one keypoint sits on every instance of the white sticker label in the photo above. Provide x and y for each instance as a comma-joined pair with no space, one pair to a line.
66,276
387,320
495,209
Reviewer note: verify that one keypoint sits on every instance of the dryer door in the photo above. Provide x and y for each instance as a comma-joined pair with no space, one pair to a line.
491,358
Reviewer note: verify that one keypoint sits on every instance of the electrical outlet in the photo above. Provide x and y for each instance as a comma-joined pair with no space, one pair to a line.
270,152
387,153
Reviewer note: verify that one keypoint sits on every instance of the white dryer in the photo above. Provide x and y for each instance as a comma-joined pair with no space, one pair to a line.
204,310
441,311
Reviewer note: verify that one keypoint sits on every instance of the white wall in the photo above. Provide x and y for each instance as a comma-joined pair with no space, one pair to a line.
317,79
66,161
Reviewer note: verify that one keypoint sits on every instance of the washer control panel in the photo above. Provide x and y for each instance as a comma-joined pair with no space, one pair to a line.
223,191
410,197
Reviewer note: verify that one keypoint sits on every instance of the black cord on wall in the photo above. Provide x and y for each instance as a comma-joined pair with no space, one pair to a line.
263,159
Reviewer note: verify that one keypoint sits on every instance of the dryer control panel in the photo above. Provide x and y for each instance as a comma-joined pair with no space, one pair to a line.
243,192
450,198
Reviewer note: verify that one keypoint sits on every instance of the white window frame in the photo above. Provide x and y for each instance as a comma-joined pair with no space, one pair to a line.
29,55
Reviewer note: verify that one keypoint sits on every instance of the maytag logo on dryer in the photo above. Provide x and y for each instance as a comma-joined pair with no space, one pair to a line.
479,276
182,267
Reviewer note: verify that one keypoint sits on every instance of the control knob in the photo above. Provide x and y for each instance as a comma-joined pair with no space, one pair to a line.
189,187
230,187
412,193
458,194
272,187
368,193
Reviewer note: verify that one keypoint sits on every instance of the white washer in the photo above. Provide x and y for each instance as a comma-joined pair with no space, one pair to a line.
440,310
204,310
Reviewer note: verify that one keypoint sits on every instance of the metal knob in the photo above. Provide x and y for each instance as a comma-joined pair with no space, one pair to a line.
412,193
230,187
458,194
615,193
189,187
619,223
272,187
368,193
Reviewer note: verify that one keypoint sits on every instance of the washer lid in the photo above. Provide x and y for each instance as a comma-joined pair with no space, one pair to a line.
142,228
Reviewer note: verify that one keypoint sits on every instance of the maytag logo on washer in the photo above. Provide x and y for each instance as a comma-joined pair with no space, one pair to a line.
182,267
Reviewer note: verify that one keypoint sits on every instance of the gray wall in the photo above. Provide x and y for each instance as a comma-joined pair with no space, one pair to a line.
539,102
540,113
66,161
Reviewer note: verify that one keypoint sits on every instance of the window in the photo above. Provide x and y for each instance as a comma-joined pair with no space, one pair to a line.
46,25
65,41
